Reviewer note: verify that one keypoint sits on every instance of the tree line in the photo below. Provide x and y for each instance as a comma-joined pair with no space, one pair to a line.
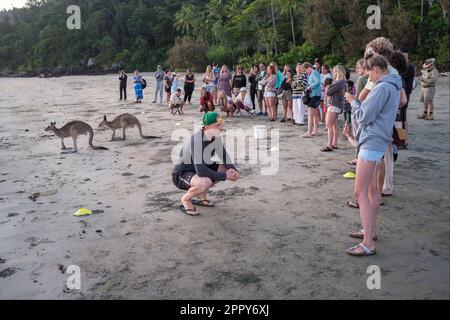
140,34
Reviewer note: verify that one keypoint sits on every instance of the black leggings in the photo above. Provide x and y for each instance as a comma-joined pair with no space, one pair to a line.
123,90
188,93
253,96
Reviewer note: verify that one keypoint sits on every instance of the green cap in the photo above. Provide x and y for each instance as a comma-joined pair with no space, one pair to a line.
211,118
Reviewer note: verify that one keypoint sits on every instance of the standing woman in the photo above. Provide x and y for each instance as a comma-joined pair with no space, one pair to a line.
299,84
374,119
137,81
168,84
314,88
260,77
270,94
253,84
239,81
189,85
326,78
208,79
225,81
334,96
286,97
123,84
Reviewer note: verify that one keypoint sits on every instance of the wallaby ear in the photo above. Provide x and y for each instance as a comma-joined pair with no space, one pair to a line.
104,117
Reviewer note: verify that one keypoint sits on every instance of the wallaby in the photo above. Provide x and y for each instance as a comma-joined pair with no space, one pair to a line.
123,121
74,129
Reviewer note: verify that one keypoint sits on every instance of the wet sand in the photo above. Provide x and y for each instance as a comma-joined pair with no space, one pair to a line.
269,237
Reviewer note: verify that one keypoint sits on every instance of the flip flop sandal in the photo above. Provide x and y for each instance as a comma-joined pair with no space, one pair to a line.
360,235
386,194
307,135
335,148
189,212
203,203
366,251
351,162
353,204
326,149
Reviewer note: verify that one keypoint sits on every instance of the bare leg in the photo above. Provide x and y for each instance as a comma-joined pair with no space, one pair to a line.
285,108
310,120
203,196
365,179
335,131
290,113
199,186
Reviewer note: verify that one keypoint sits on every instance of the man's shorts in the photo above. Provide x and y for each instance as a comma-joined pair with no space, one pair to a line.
314,102
427,95
182,180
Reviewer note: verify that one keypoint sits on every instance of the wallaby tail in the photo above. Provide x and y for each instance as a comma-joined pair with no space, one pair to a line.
91,137
142,135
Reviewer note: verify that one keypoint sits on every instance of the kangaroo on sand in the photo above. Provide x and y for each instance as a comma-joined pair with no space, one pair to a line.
123,121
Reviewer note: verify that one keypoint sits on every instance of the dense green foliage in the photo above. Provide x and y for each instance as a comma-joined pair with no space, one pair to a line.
139,34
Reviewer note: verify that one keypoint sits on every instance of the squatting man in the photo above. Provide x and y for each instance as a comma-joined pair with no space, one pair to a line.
195,171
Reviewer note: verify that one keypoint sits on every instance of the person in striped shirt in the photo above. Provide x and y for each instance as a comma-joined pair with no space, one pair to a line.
299,83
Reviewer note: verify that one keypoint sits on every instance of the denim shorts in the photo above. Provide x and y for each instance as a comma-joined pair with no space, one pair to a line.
370,155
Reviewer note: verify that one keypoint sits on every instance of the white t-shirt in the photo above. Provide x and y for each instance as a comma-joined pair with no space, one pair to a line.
175,99
247,100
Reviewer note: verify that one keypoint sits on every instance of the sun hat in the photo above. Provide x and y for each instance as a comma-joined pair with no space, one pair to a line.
428,63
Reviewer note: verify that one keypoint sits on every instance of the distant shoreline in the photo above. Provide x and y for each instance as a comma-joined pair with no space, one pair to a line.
55,74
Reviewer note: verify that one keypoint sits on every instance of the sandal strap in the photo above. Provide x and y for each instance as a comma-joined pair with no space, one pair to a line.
366,250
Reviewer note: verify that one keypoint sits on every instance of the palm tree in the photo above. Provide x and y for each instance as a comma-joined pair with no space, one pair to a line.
291,6
184,19
235,7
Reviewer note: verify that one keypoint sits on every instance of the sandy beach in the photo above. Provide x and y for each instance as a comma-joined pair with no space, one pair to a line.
269,237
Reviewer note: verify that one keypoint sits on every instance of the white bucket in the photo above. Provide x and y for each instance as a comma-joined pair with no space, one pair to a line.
260,132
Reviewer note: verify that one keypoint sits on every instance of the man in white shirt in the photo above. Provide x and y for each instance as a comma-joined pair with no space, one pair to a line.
176,102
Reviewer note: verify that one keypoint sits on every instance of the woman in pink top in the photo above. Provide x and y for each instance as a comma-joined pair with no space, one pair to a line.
270,92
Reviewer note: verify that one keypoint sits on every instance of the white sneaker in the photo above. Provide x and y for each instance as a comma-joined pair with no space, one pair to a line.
252,111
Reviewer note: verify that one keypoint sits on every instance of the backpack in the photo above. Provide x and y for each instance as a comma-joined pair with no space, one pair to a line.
144,83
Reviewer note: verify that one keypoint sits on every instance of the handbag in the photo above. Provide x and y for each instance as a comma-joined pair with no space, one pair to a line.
306,99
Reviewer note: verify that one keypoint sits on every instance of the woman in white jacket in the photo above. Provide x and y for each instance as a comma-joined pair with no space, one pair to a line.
243,101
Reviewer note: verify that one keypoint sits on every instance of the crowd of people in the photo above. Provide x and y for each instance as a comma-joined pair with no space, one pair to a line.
374,117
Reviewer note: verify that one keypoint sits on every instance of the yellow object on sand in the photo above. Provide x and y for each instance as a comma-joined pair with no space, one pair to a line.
349,175
82,212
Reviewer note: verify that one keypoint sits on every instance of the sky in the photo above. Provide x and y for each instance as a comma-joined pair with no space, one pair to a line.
9,4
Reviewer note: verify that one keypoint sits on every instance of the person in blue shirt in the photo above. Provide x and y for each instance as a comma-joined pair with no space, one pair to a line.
314,90
216,71
137,82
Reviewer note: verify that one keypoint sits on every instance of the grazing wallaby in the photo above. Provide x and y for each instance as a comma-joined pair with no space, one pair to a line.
124,121
73,129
